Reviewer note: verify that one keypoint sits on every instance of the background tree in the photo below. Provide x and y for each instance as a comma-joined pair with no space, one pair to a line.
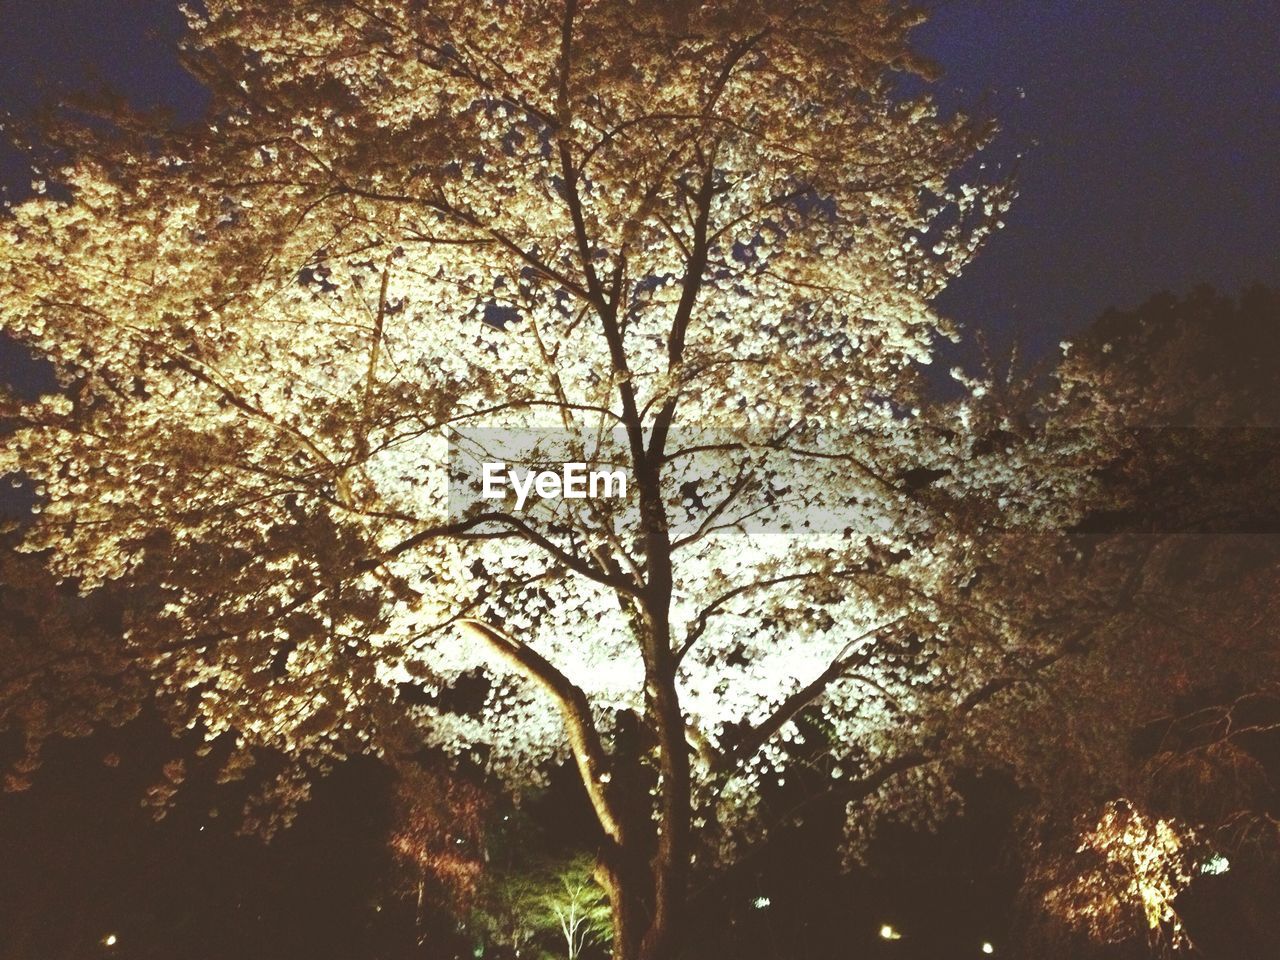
581,909
438,833
705,234
1149,755
540,902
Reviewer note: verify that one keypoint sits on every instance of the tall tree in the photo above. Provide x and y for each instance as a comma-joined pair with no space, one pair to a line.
698,238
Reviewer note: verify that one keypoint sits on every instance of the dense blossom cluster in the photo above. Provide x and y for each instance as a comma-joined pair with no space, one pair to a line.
1135,866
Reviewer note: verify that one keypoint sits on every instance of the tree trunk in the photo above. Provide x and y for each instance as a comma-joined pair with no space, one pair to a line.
646,875
640,931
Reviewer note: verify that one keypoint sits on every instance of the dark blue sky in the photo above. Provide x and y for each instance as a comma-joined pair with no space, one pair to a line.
1151,130
1152,138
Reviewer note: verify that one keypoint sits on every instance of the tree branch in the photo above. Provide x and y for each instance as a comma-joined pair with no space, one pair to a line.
792,705
584,738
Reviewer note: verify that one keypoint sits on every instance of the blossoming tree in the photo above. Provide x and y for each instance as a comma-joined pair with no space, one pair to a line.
699,237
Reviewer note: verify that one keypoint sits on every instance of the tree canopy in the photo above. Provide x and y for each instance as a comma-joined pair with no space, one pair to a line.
700,239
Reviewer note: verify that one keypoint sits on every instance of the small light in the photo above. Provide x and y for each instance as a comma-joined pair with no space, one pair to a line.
887,932
1215,866
110,940
761,903
988,948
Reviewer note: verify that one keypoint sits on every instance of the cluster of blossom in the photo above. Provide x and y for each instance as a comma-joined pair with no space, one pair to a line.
1136,865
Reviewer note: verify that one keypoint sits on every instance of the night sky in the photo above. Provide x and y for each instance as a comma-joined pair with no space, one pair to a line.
1152,138
1151,134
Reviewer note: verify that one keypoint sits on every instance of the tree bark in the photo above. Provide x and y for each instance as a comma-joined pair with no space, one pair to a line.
633,882
645,871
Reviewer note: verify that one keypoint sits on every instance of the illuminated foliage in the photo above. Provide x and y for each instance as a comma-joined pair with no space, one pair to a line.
438,831
1129,870
714,226
552,906
65,672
